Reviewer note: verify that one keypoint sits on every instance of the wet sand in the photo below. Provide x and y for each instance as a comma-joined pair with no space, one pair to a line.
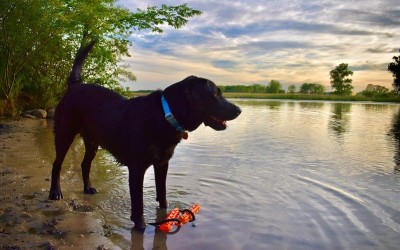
28,220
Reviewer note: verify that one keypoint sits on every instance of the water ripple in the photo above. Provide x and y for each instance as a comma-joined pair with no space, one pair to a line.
330,188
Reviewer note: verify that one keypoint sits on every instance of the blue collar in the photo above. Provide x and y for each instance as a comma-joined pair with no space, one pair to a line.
170,117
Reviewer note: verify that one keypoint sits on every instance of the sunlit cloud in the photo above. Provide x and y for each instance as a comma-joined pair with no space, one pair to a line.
247,42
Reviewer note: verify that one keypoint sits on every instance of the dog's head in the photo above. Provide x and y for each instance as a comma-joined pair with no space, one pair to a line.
196,100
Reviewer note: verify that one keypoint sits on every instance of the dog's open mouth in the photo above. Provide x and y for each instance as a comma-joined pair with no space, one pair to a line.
215,123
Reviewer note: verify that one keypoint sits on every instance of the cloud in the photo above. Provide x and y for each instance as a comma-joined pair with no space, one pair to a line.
224,64
304,28
374,17
253,41
382,49
369,66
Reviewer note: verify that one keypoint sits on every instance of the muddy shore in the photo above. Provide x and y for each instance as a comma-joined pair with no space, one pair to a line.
28,220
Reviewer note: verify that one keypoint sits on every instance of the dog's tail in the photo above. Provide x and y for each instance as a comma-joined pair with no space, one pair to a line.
75,75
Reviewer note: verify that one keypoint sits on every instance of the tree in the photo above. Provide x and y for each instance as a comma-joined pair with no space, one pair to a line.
24,33
340,81
312,88
274,87
394,67
39,40
374,90
257,88
318,89
292,88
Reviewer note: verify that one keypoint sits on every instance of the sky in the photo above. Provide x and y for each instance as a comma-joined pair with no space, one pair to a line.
253,42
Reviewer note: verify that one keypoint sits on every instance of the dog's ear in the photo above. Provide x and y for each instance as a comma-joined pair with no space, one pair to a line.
191,89
197,86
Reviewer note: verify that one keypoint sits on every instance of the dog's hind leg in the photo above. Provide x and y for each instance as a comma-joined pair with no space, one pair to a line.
90,152
63,141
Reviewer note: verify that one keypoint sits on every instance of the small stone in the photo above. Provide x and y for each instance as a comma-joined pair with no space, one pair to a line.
35,113
48,246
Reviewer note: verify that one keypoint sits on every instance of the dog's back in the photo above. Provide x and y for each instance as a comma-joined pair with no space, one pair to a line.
85,98
93,111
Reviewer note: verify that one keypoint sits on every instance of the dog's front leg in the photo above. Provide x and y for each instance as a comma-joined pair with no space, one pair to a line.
160,172
136,176
55,188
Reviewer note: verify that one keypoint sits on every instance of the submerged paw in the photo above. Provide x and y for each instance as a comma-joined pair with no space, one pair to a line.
90,190
55,195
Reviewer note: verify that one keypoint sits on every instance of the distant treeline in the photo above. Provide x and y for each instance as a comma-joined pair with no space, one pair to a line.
274,87
255,88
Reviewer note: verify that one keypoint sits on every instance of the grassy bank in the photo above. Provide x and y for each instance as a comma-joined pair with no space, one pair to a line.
298,96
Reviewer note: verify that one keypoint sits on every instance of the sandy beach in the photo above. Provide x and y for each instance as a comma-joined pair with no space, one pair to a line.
28,220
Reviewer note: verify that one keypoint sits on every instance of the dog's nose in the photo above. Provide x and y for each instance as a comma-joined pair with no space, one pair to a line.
238,110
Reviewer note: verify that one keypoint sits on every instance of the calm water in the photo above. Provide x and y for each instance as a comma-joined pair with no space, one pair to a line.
284,175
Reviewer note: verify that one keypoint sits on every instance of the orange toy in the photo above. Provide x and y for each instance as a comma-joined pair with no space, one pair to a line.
187,216
174,214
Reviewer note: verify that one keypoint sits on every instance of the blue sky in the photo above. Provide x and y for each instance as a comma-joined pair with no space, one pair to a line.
248,42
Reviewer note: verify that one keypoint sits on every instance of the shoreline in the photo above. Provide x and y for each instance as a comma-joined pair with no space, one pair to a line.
297,96
28,220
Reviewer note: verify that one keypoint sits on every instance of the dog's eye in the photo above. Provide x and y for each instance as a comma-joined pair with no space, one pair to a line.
217,92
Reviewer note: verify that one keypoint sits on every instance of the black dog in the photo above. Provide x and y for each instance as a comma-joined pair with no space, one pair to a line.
138,132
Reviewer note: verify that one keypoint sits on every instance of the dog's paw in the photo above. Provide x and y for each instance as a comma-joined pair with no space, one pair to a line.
90,190
55,194
139,223
163,204
140,226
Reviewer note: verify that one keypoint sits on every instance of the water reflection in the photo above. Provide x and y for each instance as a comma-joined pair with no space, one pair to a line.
311,105
274,105
395,133
320,197
375,107
339,121
159,238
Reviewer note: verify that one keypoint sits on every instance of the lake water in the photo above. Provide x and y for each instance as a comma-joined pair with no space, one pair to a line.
284,175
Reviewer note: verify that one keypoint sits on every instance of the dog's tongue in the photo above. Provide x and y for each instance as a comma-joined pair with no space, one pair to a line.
223,122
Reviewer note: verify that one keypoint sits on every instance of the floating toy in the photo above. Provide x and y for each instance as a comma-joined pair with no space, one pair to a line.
188,214
170,220
177,217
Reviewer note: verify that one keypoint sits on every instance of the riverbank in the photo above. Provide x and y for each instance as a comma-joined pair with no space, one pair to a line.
299,96
316,97
28,220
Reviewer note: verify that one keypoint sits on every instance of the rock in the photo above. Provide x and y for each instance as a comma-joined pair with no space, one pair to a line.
4,127
50,113
39,113
48,246
80,207
35,113
11,247
28,116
